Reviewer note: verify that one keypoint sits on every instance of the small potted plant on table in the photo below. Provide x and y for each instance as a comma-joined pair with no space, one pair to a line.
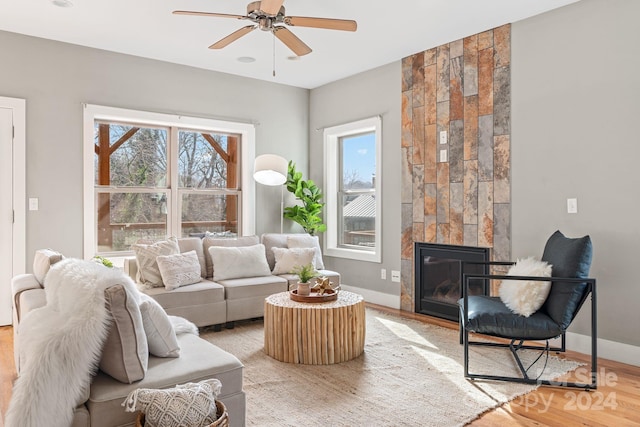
305,274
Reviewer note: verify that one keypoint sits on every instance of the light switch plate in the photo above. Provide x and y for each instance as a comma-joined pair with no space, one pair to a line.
443,156
572,205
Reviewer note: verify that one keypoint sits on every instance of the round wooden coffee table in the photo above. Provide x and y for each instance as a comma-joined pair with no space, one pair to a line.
314,333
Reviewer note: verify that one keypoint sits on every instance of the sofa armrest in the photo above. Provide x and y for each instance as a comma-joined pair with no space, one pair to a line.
19,284
131,268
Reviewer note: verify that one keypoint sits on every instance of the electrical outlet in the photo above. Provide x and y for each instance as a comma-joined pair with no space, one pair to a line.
33,203
395,276
383,273
443,137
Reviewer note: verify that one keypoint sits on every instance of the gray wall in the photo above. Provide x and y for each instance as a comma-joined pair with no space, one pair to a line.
56,78
375,92
575,91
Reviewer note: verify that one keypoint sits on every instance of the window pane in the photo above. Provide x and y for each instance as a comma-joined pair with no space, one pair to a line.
215,213
358,154
207,160
130,156
123,218
358,216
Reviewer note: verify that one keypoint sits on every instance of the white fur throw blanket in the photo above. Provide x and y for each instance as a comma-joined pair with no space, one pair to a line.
61,343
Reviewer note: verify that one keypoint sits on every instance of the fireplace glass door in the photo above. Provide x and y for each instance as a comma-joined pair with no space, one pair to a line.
438,277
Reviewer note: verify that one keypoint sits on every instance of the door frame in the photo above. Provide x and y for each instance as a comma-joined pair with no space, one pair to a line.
19,182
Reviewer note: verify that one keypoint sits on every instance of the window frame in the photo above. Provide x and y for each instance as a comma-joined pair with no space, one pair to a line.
92,113
332,184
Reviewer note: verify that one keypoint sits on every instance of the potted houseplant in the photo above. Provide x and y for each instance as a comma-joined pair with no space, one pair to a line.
307,192
305,274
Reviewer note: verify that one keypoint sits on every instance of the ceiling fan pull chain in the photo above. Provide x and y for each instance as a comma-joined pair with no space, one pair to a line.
274,53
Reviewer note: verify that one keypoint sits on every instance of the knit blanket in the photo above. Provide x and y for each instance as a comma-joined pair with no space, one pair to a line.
61,343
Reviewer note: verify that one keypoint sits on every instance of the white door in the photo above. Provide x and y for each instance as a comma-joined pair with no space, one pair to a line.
12,198
6,213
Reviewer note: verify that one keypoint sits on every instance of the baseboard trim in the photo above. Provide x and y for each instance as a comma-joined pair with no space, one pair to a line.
375,297
612,350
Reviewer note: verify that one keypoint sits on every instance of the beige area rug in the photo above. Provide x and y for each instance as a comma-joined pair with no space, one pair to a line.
411,374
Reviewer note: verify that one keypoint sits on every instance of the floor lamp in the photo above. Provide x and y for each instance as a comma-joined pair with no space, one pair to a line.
270,169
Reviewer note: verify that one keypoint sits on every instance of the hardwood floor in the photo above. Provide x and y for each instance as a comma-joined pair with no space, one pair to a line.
616,402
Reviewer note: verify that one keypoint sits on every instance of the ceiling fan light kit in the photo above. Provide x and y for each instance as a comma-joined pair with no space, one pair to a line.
269,15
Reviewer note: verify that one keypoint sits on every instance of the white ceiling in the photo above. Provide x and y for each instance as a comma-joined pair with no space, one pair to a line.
387,31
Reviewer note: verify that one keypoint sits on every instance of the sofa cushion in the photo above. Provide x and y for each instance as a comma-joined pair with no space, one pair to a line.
179,269
238,262
204,291
287,260
307,241
161,336
146,254
187,244
125,353
250,287
211,241
199,360
275,240
42,261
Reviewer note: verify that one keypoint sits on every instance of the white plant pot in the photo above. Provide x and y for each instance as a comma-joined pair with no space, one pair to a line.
304,288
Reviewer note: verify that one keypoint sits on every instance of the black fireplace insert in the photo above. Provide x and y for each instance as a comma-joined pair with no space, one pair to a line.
438,277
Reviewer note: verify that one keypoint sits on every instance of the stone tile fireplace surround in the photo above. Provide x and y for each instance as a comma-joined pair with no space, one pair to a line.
456,187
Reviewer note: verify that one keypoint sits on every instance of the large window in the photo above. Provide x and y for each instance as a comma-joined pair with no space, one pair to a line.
352,183
156,175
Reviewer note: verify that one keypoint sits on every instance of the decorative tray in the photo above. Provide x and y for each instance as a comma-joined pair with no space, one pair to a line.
329,295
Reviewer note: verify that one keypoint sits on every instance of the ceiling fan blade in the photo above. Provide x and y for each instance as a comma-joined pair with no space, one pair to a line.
327,23
216,15
232,37
291,40
271,7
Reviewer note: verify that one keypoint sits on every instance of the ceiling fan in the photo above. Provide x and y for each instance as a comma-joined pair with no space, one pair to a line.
269,15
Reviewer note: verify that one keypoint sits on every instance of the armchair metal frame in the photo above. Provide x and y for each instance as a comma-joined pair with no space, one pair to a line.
518,344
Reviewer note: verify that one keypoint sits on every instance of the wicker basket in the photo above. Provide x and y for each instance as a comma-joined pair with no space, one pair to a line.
221,411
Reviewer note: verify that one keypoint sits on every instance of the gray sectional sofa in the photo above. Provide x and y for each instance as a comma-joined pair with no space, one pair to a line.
218,302
100,405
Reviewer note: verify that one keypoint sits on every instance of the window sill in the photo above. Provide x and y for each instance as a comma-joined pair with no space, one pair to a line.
368,256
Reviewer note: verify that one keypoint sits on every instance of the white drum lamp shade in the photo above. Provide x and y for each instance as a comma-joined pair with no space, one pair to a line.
270,169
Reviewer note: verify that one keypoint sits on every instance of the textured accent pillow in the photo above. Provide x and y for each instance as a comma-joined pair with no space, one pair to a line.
525,297
288,259
42,262
308,241
125,354
238,262
146,258
191,404
158,329
179,269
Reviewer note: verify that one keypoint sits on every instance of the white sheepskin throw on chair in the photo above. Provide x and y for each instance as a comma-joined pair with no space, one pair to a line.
61,343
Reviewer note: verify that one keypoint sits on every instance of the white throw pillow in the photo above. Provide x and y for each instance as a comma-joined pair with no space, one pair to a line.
525,297
179,269
158,328
308,242
288,259
146,258
191,404
238,262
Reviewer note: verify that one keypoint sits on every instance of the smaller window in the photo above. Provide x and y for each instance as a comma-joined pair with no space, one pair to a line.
352,173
